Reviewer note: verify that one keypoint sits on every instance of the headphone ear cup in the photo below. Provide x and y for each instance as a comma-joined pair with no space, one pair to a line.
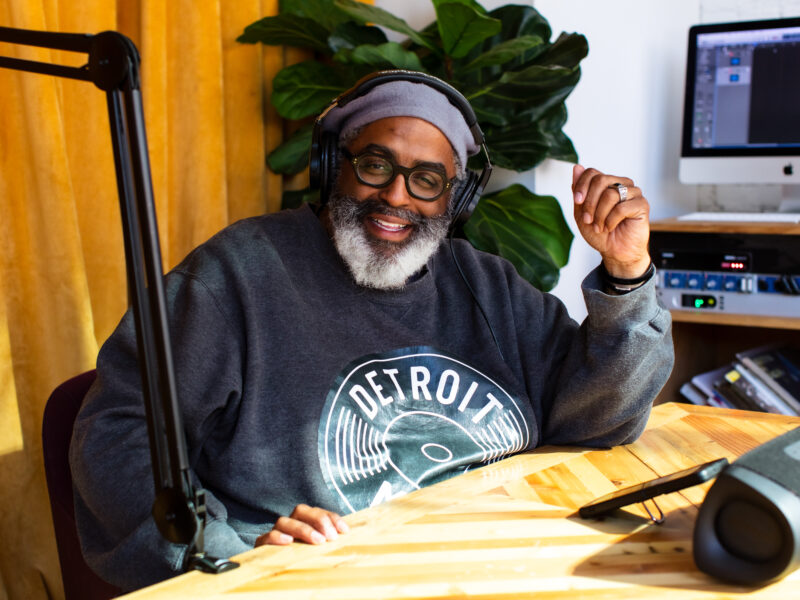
467,199
322,176
314,157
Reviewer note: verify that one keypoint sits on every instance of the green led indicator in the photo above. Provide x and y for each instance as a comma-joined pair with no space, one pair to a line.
698,301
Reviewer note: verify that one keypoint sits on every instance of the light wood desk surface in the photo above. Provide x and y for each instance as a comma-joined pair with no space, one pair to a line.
510,530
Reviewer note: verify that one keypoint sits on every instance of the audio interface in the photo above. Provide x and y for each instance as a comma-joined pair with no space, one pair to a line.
734,272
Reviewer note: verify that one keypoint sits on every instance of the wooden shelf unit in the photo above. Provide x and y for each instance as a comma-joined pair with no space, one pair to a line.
704,340
754,227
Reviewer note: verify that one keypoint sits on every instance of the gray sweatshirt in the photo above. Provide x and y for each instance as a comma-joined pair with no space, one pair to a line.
297,385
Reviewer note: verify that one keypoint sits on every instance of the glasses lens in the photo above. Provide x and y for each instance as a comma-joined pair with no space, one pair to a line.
425,184
373,170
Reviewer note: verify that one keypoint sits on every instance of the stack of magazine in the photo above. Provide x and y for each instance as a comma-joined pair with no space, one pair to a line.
765,379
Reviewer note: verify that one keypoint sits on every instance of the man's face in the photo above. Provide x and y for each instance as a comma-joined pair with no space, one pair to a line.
409,142
385,234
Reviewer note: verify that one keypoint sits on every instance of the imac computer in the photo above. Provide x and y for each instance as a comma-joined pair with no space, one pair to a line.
741,122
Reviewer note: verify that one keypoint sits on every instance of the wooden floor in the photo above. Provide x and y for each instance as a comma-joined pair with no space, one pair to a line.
510,530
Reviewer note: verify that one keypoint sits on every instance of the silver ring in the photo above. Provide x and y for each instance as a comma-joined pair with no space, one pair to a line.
622,189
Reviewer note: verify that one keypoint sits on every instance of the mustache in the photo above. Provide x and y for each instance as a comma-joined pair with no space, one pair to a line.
373,205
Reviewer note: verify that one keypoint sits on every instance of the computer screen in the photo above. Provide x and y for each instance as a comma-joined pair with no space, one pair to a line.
742,105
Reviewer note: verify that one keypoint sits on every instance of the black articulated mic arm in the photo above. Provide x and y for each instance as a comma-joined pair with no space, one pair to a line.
113,66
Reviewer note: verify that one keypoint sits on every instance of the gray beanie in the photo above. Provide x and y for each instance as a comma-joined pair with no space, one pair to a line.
405,99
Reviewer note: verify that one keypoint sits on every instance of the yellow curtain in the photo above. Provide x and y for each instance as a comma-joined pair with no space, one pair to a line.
62,278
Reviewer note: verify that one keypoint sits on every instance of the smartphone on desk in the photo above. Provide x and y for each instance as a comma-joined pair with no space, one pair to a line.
655,487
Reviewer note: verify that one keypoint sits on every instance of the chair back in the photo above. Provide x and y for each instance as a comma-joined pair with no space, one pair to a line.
80,582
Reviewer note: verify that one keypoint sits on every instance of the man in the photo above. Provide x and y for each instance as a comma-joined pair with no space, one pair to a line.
332,359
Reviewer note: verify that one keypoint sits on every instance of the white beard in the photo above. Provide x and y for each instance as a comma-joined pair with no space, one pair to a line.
377,264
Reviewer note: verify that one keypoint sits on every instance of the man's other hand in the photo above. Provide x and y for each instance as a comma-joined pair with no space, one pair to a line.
613,221
309,524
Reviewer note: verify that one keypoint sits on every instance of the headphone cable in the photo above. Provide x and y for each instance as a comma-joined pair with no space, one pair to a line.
474,295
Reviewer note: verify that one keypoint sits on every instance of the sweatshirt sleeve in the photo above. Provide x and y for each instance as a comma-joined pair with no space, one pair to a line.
612,370
110,452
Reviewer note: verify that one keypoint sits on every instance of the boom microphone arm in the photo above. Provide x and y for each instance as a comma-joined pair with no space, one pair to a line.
113,66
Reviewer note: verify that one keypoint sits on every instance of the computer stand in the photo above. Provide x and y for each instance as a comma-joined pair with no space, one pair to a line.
790,199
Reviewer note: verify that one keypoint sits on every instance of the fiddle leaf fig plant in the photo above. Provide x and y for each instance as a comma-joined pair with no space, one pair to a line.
503,61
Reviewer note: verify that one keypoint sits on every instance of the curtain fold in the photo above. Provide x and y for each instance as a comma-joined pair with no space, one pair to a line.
62,271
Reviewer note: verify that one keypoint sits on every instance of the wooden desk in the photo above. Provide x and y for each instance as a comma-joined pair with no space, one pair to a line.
510,530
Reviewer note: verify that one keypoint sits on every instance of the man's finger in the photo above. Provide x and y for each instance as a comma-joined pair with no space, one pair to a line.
318,518
582,178
605,204
274,538
609,205
300,530
599,188
340,524
636,208
577,171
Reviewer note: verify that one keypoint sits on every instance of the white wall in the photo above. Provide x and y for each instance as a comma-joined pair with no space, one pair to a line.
625,114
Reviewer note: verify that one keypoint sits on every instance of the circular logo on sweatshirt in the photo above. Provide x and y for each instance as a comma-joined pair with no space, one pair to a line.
398,421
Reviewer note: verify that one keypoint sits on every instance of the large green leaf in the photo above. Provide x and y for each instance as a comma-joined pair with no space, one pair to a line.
286,30
561,147
352,34
551,124
517,22
523,145
517,86
292,155
544,101
385,56
567,51
511,97
526,86
324,12
528,230
372,14
462,27
503,52
488,115
520,97
554,119
518,147
304,89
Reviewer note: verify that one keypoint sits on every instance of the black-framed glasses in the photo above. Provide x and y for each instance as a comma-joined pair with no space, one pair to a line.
422,182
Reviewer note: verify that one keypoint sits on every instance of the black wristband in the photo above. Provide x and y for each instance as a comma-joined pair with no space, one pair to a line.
651,269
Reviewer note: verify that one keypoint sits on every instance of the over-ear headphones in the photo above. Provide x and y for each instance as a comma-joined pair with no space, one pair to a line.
324,144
